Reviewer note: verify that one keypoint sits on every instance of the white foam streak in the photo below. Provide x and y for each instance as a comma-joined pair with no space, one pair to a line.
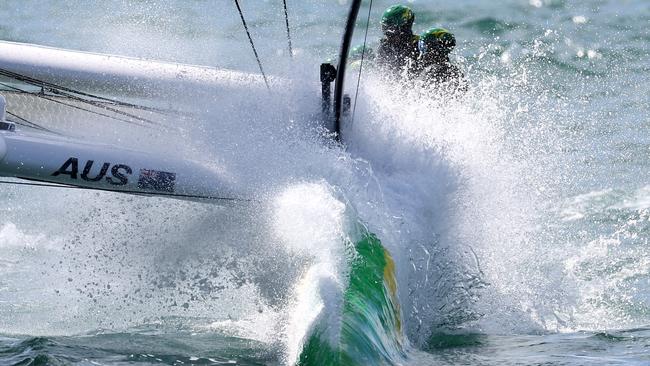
317,301
309,221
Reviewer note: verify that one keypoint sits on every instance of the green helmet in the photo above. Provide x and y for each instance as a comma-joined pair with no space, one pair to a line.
356,52
437,39
397,18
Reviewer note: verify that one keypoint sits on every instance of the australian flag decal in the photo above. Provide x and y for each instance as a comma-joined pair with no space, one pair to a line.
156,180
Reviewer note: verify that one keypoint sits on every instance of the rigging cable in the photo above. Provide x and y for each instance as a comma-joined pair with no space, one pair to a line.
250,39
97,104
28,123
102,106
38,183
94,103
286,19
363,53
41,83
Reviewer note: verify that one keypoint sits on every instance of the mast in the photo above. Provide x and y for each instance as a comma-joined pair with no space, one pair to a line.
343,60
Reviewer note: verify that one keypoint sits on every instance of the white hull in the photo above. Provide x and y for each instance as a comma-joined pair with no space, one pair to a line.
30,153
94,72
44,158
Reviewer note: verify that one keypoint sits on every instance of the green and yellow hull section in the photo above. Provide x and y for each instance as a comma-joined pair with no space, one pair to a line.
371,330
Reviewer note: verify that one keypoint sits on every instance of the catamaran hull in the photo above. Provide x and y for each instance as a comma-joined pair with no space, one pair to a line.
43,158
104,73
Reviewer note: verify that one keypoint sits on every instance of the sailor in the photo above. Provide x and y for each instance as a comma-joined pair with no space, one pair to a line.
433,64
356,53
354,57
398,49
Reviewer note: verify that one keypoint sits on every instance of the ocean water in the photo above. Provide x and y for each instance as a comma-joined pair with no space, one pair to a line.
516,216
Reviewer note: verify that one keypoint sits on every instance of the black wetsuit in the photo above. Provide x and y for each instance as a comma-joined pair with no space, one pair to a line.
398,53
442,72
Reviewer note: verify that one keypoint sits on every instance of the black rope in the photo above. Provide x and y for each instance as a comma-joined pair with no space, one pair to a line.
286,19
250,39
41,83
105,107
51,99
38,183
363,53
55,90
89,111
30,124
